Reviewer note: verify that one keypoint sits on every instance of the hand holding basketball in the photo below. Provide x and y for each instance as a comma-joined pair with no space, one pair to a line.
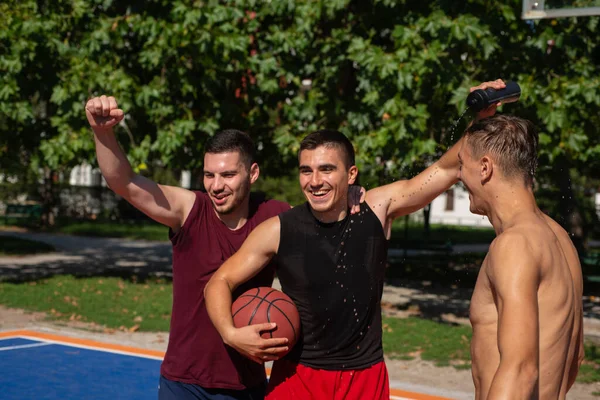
103,113
267,324
248,342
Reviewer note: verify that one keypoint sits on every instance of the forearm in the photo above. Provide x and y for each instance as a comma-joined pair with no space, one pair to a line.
449,161
218,298
514,382
112,161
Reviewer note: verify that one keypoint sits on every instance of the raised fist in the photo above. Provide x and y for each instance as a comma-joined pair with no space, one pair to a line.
103,113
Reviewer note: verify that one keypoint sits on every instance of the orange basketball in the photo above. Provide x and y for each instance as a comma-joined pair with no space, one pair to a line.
263,305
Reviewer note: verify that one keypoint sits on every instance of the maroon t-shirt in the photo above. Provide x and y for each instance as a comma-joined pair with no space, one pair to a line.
196,353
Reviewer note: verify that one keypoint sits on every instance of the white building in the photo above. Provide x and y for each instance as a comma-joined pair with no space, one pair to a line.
86,175
449,208
452,208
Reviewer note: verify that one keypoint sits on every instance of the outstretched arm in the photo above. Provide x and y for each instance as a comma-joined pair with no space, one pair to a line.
406,196
515,277
167,205
257,250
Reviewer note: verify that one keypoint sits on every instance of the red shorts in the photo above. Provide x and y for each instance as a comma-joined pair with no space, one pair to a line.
293,381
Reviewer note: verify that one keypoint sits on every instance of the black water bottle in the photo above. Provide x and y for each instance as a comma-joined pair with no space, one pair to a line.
481,99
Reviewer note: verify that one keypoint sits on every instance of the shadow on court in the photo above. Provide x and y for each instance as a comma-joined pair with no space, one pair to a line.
86,256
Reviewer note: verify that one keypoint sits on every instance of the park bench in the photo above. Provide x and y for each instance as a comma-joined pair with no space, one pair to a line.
29,212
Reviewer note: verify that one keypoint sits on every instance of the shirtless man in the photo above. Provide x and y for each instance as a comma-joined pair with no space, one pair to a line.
526,309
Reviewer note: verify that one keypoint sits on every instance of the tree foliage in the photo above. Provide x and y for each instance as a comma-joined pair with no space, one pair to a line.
392,74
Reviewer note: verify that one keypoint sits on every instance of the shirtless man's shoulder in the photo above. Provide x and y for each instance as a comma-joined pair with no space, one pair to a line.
531,274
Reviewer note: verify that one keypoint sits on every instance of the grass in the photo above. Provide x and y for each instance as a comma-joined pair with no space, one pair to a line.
111,302
442,344
12,246
590,369
439,235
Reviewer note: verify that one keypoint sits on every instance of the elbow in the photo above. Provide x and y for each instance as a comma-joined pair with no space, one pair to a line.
218,280
520,379
531,376
208,286
528,376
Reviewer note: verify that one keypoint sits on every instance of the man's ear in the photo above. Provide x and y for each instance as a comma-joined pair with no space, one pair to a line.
352,175
486,169
254,172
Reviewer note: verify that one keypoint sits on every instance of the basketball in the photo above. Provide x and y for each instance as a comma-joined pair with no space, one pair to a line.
264,305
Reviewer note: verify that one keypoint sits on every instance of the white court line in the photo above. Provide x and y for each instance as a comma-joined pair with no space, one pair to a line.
399,398
24,346
82,346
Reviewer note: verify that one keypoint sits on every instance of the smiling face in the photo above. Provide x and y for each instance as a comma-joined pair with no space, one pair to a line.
227,180
324,179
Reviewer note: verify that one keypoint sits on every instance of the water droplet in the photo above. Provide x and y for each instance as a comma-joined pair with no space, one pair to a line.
344,300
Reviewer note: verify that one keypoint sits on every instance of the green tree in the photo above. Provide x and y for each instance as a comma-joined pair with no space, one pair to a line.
392,74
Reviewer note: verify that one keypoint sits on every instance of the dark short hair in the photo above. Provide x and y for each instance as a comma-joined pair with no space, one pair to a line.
512,141
230,140
329,138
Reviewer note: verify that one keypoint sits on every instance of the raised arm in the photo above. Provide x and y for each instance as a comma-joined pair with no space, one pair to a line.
167,205
515,278
257,250
406,196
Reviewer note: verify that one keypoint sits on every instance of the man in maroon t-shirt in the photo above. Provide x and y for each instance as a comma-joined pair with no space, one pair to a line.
205,229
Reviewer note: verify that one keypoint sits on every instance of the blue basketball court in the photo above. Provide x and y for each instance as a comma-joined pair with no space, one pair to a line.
40,366
36,365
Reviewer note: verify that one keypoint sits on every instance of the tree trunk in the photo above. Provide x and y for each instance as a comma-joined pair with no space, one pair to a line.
570,216
48,196
426,215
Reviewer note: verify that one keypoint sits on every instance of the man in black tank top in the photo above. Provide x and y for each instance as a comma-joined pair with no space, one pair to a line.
332,265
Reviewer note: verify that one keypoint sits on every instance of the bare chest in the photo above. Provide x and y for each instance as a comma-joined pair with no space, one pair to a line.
482,310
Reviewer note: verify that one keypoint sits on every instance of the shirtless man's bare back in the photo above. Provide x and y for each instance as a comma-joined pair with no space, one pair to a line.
526,309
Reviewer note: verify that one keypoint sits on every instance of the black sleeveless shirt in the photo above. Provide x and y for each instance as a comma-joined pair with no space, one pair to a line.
334,272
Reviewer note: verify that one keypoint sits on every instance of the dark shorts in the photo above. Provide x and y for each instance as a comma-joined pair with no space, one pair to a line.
173,390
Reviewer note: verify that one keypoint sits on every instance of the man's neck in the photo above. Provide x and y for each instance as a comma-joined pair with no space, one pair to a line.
508,205
238,217
337,214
